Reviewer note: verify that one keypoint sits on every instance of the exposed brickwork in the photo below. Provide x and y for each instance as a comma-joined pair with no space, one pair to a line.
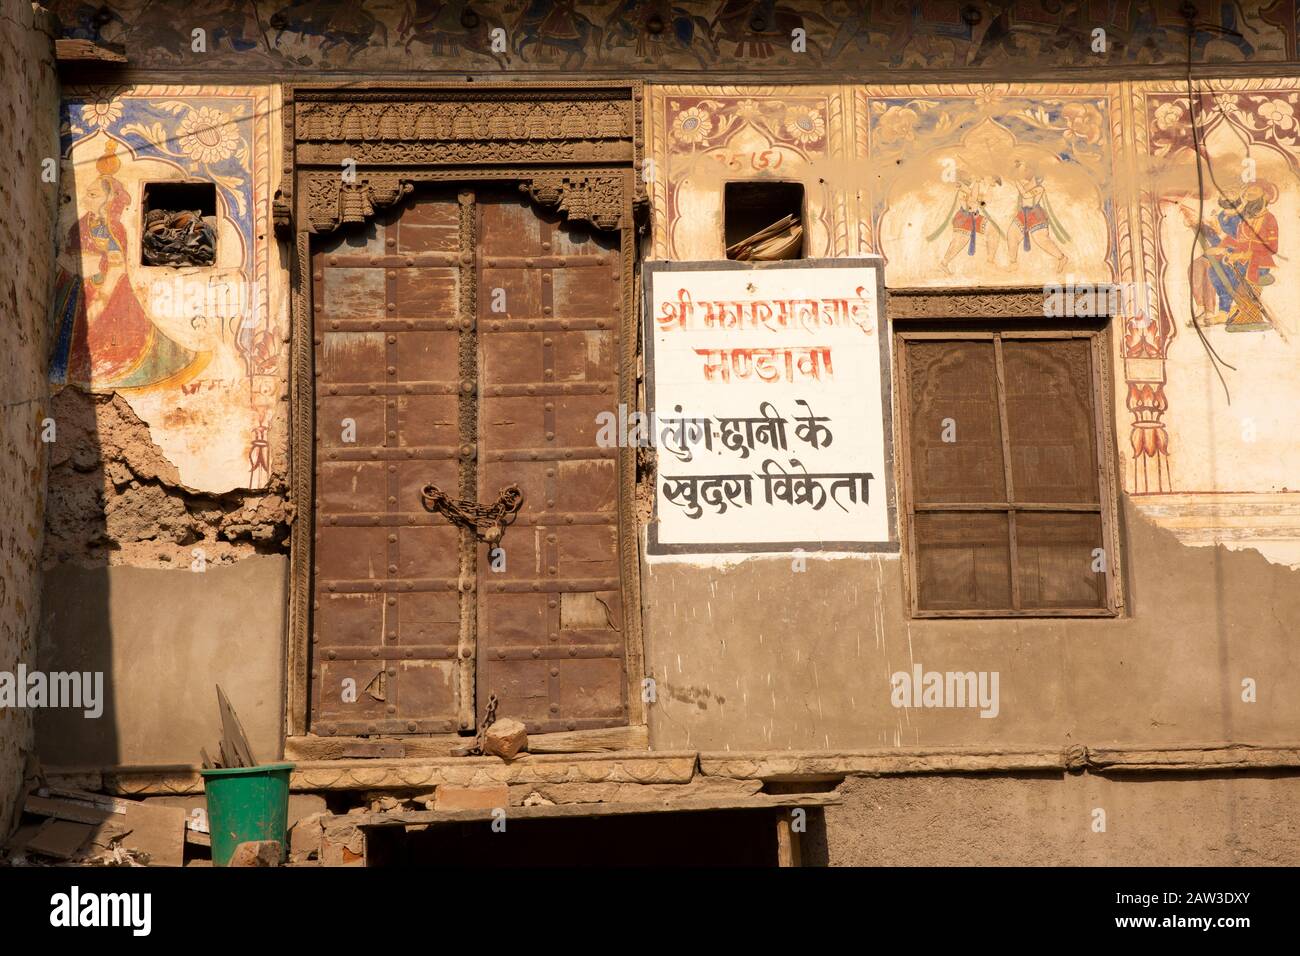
115,498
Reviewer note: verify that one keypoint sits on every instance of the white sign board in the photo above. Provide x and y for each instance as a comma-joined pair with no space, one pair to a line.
768,389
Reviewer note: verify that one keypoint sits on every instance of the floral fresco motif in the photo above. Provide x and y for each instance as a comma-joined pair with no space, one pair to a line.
1268,117
196,350
711,121
708,136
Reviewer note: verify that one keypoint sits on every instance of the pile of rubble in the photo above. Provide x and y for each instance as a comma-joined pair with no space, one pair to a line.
61,827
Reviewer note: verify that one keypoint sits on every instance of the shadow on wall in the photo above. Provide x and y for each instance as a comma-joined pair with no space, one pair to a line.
151,585
78,481
144,585
153,591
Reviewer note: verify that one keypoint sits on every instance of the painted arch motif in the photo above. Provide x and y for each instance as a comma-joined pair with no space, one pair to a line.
196,351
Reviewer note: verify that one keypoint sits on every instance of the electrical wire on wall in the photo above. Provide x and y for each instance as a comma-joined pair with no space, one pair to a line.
261,27
1193,100
1193,97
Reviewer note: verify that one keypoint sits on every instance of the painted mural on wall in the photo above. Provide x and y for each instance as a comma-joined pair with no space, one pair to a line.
992,187
198,350
617,35
768,407
1219,246
963,185
704,137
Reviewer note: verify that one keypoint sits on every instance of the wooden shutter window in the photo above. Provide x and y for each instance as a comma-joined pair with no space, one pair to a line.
1051,420
1006,500
963,561
954,395
1055,560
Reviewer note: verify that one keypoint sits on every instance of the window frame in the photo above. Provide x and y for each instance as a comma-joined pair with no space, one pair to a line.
999,321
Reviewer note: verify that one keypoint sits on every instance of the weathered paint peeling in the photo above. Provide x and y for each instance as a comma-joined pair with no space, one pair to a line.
116,499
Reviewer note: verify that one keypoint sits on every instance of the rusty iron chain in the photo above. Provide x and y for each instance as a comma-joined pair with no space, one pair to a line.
489,718
487,522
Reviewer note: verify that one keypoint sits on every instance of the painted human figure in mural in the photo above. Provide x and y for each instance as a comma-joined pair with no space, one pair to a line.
104,337
1034,223
259,452
1238,249
969,221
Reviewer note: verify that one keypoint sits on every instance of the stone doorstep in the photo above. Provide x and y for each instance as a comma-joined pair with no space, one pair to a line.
608,740
316,776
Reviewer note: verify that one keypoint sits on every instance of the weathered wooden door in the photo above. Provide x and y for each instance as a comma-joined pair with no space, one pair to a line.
468,340
550,622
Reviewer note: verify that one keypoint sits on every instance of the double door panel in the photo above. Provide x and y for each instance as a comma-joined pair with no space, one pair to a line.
468,340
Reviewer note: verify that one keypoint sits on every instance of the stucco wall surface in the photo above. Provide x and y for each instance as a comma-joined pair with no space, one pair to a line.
168,514
1237,820
163,640
755,655
1201,355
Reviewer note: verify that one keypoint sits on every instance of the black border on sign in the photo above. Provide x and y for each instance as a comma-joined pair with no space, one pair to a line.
649,270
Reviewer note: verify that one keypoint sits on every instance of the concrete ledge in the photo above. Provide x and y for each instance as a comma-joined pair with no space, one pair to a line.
1116,760
824,765
314,775
827,765
679,767
570,810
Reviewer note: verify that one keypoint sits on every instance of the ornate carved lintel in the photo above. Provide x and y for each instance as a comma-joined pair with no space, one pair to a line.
966,303
333,202
580,198
394,138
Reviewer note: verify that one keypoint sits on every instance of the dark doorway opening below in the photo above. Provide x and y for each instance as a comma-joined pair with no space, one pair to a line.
706,838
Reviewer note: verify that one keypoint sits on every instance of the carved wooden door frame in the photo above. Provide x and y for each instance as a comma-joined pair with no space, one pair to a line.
350,152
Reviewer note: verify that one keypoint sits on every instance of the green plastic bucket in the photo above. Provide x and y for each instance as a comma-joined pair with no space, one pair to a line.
245,804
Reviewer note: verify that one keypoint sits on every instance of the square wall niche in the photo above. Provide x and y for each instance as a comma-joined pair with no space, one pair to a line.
179,224
763,221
